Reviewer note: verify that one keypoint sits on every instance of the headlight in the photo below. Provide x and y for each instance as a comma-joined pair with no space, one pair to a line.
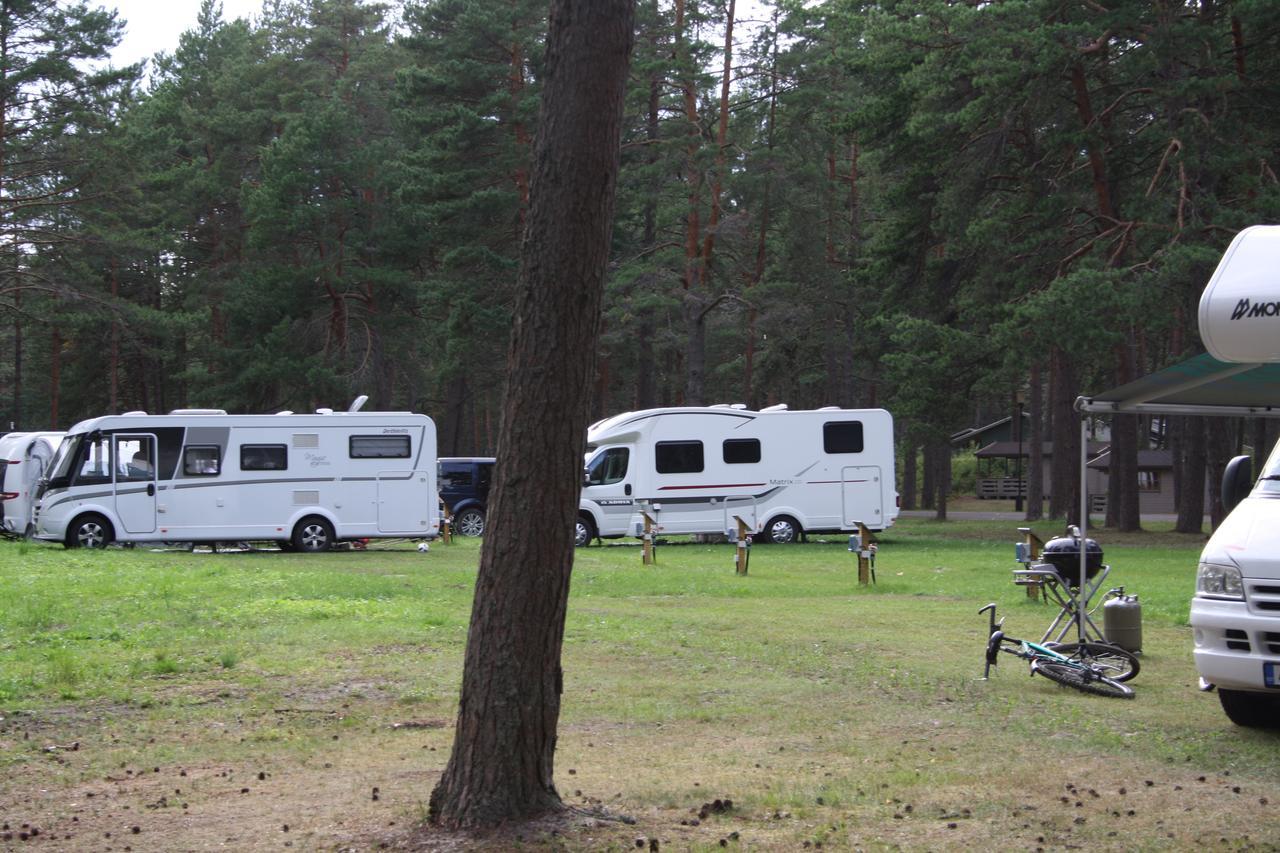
1219,581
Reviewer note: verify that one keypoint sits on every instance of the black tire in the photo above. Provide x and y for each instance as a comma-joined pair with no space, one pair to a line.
469,522
1083,680
584,531
313,535
781,530
90,531
1251,710
1114,662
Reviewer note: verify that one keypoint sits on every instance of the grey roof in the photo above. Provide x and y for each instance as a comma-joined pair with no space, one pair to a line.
1148,460
1014,449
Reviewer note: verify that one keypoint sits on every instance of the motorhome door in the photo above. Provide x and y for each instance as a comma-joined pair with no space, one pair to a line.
134,463
404,502
608,484
861,496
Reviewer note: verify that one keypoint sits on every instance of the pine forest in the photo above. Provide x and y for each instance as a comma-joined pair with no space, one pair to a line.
950,209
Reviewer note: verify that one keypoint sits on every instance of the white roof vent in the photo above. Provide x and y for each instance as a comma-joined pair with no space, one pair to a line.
324,411
285,412
358,403
198,412
738,406
136,412
780,407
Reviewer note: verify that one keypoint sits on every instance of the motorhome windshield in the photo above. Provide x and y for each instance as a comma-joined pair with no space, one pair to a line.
1269,479
59,468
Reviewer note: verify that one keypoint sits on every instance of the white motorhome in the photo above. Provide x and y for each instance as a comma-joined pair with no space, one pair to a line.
303,481
1235,615
694,469
24,459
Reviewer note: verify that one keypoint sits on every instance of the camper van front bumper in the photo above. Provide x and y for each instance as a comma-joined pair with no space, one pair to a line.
1234,648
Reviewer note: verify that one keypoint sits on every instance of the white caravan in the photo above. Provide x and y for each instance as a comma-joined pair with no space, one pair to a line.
24,459
694,469
201,475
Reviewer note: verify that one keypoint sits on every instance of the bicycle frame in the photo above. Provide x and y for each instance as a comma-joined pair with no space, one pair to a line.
1027,650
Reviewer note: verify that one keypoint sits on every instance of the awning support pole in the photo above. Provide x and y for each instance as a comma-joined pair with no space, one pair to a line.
1084,522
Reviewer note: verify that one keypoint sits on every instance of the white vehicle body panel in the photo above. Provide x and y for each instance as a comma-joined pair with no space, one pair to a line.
220,477
25,456
734,463
1235,640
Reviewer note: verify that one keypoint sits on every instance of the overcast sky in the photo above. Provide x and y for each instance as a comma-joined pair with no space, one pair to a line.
154,25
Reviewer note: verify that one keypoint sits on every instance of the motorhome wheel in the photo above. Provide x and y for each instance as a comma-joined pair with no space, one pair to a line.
89,531
470,522
1252,710
783,530
312,535
583,532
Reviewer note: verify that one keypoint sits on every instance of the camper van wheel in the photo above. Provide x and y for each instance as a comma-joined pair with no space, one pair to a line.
583,532
1252,710
782,530
313,534
89,531
469,522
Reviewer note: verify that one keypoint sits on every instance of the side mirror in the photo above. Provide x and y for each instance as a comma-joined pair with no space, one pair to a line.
586,476
1237,481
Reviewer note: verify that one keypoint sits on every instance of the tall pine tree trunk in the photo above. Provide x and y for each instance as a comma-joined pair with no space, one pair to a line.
502,764
1035,441
1187,443
1065,435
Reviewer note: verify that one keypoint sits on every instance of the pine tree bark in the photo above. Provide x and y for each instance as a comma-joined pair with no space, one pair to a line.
1065,428
1217,453
1187,441
501,765
1035,441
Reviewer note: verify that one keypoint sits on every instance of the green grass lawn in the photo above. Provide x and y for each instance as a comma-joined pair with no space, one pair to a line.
828,712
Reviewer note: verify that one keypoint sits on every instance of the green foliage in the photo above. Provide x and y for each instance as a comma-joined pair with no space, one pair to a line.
919,200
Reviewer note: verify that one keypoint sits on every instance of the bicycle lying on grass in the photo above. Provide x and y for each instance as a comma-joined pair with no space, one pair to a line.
1098,668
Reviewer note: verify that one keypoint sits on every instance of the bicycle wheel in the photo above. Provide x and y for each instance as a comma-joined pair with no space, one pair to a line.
1111,661
1081,678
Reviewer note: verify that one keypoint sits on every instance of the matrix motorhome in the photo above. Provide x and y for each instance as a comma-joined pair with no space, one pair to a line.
24,459
693,470
304,481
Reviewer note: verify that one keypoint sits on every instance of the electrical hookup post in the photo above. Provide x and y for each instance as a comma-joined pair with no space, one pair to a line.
864,545
742,554
648,554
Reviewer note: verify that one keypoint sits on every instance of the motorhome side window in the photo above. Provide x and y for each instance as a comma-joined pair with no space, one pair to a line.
842,437
740,451
201,460
380,447
95,460
608,467
678,457
264,457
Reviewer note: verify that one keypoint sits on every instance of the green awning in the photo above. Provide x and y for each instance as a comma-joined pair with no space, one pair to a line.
1198,386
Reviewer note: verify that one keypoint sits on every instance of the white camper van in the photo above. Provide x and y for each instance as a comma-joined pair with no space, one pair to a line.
1235,615
692,470
202,475
24,459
